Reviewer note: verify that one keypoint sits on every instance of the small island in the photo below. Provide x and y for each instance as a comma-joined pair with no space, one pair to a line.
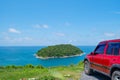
58,51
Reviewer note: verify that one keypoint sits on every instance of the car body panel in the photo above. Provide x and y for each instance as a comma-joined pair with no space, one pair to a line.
104,62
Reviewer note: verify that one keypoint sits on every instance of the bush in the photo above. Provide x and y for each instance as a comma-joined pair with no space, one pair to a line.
29,66
80,63
39,67
48,78
20,66
2,67
72,65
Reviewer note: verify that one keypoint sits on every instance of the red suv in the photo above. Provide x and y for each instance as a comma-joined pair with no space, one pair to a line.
104,59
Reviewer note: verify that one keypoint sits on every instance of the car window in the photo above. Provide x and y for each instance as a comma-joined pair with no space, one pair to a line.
100,49
113,49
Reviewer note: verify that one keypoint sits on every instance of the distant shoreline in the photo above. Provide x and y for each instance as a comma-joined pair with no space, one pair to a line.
57,57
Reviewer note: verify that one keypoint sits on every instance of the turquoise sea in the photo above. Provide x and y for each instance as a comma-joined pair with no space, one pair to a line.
22,55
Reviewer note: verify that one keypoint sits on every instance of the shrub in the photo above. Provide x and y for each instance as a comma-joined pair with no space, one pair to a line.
29,66
48,78
72,65
2,67
39,66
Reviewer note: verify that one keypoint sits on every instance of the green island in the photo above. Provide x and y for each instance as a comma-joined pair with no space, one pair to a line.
30,72
59,51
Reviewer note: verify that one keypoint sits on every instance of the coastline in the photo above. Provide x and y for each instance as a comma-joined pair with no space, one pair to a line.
57,57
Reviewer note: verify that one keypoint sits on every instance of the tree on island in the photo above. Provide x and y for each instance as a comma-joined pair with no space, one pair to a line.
59,51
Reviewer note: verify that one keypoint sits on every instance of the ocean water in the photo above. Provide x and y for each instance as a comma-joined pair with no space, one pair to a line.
22,55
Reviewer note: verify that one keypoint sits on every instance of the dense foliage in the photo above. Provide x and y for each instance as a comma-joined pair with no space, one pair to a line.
59,51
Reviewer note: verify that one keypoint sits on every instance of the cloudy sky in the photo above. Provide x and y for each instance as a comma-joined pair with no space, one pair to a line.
50,22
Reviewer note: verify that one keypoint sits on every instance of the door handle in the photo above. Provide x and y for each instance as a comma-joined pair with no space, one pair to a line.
114,59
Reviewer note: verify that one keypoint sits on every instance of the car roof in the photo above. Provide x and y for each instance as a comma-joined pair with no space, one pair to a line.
107,41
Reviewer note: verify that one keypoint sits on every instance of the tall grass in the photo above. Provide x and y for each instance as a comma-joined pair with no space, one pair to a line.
30,72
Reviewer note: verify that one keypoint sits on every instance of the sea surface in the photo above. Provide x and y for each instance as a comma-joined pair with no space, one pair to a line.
22,55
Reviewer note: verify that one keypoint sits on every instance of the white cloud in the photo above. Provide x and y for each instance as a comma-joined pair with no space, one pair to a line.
24,39
117,12
41,26
109,34
71,41
12,30
27,38
67,24
7,38
45,26
4,33
60,34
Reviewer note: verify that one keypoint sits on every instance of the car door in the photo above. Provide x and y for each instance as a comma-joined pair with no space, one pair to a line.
97,57
111,56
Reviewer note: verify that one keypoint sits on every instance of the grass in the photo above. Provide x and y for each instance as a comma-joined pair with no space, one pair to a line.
30,72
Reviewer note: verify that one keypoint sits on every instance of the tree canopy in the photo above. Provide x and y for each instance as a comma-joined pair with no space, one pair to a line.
59,51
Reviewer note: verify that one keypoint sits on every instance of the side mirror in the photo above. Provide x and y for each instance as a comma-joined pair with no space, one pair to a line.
95,53
92,53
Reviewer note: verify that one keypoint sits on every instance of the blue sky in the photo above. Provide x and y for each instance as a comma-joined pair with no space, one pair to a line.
50,22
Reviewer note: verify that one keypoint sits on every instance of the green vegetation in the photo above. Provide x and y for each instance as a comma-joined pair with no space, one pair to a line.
59,51
30,72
